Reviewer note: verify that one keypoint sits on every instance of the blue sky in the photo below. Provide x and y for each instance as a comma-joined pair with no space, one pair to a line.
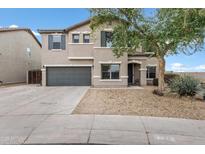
62,18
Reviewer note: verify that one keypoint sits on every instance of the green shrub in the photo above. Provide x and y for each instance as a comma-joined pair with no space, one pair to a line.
184,86
169,77
203,86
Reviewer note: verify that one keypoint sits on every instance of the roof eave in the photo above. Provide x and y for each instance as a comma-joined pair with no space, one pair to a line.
78,25
21,29
42,31
47,31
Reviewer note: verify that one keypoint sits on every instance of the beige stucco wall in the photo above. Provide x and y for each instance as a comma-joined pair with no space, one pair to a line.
144,62
81,50
103,55
62,57
14,58
92,54
137,73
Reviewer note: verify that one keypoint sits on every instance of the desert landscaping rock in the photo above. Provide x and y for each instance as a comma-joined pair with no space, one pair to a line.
140,102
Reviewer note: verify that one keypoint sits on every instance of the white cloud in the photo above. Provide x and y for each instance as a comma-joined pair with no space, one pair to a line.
35,33
1,27
13,26
200,67
179,67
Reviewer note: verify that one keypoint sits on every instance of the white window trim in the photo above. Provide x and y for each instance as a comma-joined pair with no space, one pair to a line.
79,32
149,53
83,37
57,34
95,76
152,65
155,72
124,77
80,43
110,80
86,32
81,58
141,58
143,69
134,61
108,29
110,62
110,72
78,38
56,50
69,65
75,32
150,79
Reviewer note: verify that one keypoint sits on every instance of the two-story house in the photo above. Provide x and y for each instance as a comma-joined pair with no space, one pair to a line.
20,51
76,56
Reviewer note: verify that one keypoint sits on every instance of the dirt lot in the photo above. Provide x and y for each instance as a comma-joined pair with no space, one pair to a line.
139,102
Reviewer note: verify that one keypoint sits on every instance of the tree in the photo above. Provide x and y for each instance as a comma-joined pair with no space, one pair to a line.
165,32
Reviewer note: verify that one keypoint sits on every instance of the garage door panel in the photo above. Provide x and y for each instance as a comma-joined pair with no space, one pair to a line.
68,76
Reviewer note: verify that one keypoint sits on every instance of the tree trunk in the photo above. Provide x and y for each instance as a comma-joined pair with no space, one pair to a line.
161,84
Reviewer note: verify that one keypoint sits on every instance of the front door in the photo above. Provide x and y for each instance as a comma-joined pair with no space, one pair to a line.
130,73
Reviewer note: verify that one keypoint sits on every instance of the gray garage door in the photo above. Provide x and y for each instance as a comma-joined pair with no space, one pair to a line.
68,76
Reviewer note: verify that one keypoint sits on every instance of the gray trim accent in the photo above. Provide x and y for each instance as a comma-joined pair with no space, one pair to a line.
50,42
103,43
63,42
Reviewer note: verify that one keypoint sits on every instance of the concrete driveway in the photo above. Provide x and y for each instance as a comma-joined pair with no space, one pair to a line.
41,115
23,108
36,100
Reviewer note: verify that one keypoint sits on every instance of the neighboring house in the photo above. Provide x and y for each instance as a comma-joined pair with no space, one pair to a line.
19,52
76,56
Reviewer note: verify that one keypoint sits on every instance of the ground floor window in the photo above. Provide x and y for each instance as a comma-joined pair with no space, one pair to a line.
110,71
151,72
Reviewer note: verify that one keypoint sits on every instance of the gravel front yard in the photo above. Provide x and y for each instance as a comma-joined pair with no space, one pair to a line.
139,102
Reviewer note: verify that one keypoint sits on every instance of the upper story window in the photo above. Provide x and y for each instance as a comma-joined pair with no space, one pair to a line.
110,71
56,42
75,38
28,51
151,72
106,39
86,38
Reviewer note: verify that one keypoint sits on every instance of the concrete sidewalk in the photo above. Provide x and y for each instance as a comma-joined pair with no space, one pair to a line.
99,129
41,115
